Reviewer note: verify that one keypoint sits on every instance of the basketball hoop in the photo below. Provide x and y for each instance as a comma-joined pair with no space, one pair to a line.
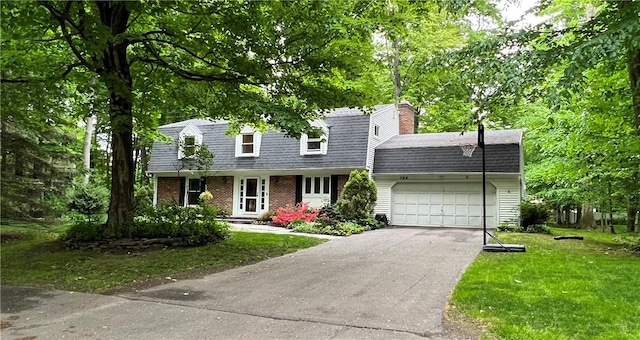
467,149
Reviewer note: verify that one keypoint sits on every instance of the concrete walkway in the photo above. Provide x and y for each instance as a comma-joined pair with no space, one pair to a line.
385,284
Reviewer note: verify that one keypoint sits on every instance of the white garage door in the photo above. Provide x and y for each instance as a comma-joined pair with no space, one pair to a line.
442,204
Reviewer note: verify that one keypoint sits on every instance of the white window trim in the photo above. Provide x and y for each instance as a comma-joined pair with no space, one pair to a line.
189,131
257,139
322,180
324,141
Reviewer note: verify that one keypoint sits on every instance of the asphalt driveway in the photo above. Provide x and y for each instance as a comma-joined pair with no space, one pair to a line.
385,284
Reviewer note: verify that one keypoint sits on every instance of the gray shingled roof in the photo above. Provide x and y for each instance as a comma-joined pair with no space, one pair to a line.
347,148
452,139
441,153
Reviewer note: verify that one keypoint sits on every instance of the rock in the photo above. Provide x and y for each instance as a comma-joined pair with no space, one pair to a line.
125,242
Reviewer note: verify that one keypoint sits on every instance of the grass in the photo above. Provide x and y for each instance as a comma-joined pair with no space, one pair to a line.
41,260
55,226
567,289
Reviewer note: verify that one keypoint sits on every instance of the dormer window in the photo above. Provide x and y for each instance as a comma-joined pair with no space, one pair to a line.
189,146
189,140
248,143
315,143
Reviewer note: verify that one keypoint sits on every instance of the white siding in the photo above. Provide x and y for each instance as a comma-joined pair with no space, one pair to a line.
387,120
508,201
383,204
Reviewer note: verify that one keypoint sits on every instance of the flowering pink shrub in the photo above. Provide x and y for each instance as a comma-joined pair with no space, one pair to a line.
301,212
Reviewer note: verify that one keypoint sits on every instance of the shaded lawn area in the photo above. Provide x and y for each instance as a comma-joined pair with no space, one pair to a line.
567,289
41,260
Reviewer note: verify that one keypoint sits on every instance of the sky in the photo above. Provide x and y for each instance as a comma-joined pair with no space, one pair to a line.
516,10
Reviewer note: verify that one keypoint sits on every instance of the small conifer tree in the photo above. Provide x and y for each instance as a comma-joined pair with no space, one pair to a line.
358,197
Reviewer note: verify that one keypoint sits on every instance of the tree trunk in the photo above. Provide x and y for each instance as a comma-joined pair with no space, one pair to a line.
88,138
613,229
3,148
117,77
144,164
578,216
587,221
631,218
633,62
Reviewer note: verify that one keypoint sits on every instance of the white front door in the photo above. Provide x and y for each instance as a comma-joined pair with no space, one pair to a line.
252,198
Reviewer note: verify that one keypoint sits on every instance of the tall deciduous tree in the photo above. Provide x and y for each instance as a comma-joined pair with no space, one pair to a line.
258,61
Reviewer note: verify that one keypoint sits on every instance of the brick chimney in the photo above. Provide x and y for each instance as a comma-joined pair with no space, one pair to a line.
407,119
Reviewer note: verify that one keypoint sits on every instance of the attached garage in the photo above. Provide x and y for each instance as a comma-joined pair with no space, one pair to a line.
442,204
423,179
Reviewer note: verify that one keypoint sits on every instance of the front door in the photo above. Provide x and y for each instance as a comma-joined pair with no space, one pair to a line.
251,196
249,193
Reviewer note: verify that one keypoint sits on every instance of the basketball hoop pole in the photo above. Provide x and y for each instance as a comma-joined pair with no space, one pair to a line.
484,184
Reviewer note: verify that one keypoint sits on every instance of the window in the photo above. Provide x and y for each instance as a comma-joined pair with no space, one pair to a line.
307,185
315,143
189,140
376,130
317,185
248,143
189,146
194,189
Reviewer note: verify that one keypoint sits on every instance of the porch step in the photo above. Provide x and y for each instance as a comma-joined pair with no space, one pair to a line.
239,220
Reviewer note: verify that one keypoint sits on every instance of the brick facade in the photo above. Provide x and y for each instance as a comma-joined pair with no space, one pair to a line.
342,180
407,119
282,191
221,187
168,189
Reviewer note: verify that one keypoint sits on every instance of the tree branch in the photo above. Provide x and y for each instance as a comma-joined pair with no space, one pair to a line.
189,75
62,18
64,74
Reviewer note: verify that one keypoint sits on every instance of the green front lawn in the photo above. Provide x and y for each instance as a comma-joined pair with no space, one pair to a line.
567,289
41,260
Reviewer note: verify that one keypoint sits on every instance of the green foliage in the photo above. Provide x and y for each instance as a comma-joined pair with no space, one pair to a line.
358,197
534,228
191,226
189,59
372,223
39,149
143,198
533,214
90,200
336,229
84,231
509,228
631,242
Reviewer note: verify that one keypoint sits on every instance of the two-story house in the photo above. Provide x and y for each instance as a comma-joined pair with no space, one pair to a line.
423,179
